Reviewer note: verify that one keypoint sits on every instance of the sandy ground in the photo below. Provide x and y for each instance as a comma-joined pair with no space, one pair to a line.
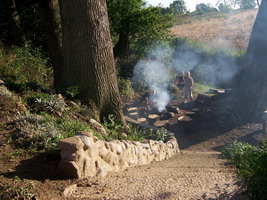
190,175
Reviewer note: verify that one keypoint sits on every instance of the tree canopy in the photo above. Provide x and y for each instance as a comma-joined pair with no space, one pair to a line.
242,4
205,8
132,22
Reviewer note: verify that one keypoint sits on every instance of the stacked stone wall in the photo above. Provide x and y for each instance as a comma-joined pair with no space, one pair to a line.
84,155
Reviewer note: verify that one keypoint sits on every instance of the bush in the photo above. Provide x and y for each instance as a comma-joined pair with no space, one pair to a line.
33,131
41,102
251,162
160,134
125,88
24,68
114,127
42,132
72,92
140,86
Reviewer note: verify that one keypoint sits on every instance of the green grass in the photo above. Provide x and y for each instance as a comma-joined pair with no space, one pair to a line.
202,88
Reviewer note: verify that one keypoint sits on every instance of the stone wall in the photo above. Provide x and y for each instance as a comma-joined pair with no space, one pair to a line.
85,156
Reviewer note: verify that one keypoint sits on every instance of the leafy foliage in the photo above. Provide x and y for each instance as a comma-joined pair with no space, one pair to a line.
138,23
41,102
176,7
140,86
155,135
125,88
251,161
242,4
113,126
33,129
224,8
24,68
205,8
72,92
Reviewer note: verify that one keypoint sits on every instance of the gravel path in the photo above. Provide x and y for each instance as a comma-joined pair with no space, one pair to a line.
190,175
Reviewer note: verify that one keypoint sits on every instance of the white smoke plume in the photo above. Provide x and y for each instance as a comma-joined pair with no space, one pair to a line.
213,69
155,72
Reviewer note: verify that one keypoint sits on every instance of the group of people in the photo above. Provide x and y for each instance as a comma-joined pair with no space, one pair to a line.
184,81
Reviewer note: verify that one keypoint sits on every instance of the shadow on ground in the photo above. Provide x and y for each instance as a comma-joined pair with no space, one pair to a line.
38,167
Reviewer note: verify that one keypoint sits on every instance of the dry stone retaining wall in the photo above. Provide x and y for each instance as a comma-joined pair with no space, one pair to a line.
85,156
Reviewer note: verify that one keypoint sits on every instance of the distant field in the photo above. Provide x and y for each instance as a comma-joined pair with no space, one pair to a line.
230,31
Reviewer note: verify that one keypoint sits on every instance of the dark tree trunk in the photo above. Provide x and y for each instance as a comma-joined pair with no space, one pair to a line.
51,19
122,46
252,87
88,56
15,33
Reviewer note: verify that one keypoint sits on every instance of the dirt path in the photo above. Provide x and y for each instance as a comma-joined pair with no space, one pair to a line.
190,175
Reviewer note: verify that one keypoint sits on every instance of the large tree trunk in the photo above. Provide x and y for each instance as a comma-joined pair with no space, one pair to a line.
15,33
122,46
51,19
252,88
88,56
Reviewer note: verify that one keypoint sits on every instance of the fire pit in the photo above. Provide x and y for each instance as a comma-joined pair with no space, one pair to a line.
153,116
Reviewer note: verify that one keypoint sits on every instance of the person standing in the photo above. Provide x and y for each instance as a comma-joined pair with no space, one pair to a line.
188,87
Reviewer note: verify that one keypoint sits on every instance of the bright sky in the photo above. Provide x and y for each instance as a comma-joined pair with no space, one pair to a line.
190,4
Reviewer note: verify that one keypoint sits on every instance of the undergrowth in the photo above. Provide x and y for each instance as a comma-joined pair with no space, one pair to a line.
24,68
17,189
251,162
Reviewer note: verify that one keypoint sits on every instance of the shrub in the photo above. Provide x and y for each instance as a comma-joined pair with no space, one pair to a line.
69,127
251,162
72,92
160,134
125,88
34,131
140,86
24,68
41,102
113,126
42,132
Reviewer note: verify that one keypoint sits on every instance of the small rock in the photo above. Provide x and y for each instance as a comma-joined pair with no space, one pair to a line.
88,134
98,127
69,190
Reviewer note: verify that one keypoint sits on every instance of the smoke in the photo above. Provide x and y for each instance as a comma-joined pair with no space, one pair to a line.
214,69
185,60
156,73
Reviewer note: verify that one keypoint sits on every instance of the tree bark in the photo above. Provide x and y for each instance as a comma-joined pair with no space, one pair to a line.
122,46
15,32
252,87
51,20
88,56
